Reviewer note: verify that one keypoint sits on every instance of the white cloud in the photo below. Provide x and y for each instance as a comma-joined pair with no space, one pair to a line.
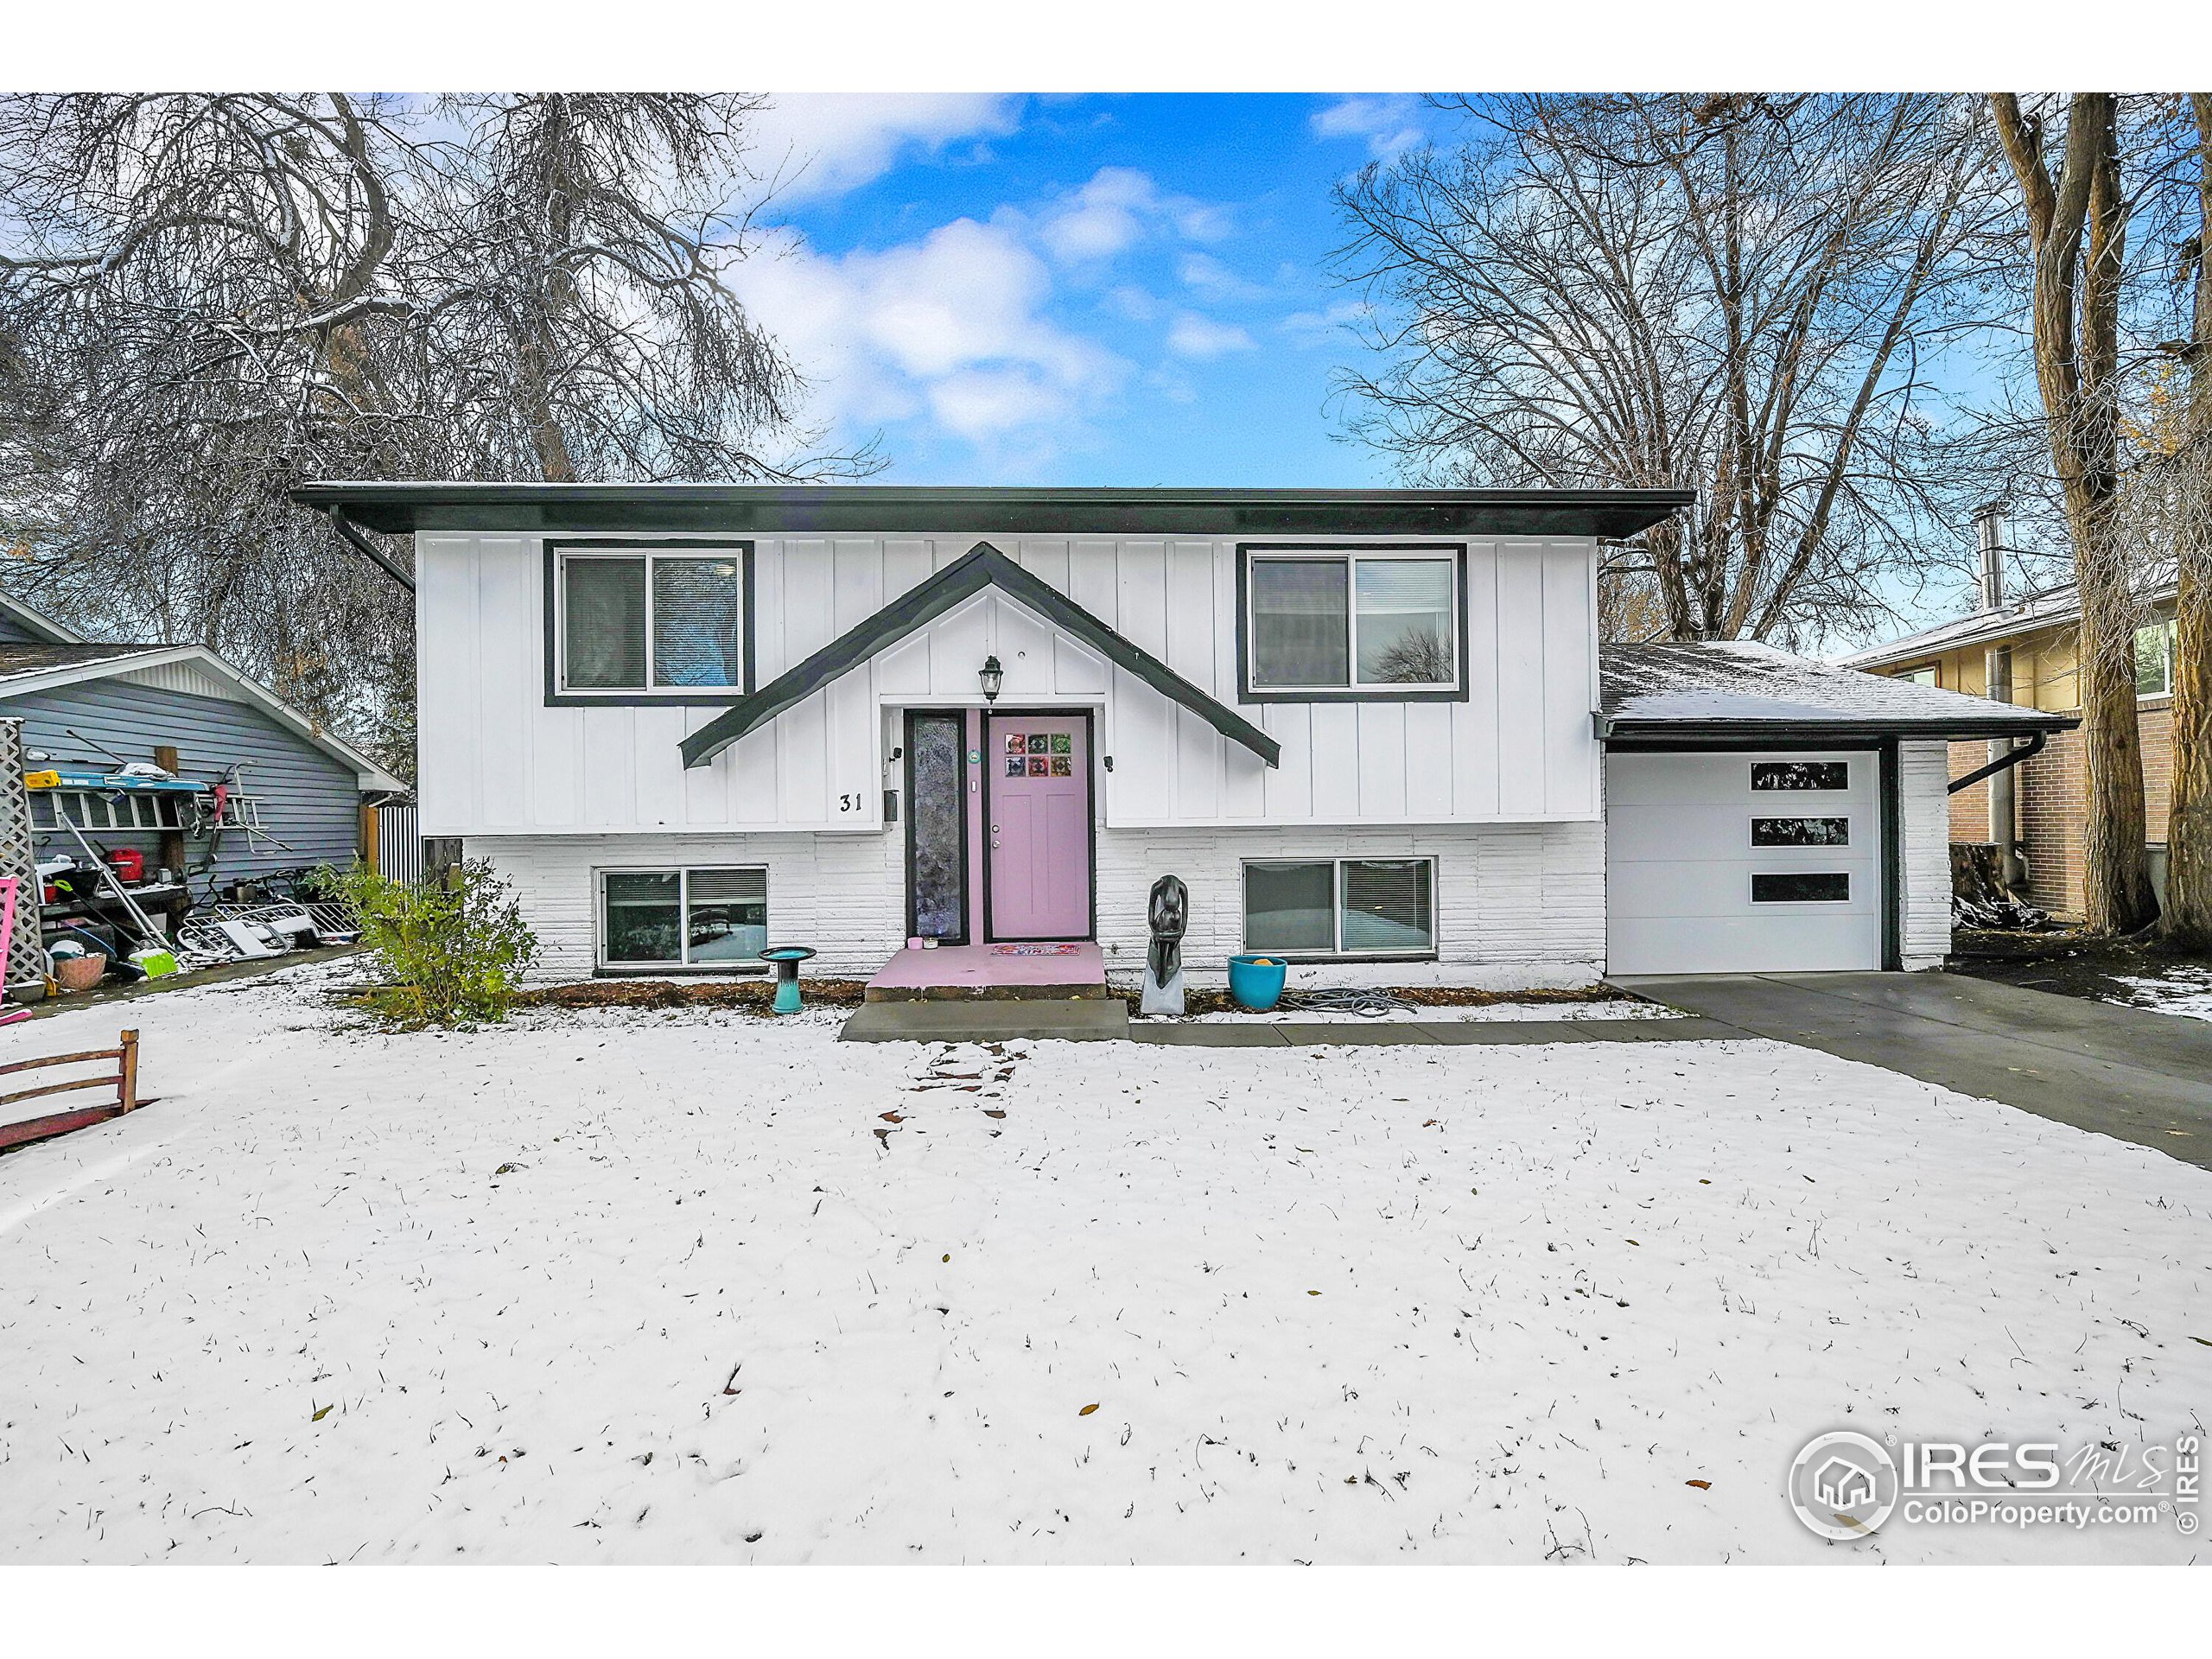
815,144
1194,336
1207,277
1326,326
1388,125
1117,208
952,325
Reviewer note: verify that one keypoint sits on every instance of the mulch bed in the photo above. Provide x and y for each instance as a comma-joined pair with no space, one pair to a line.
2065,959
747,996
1216,999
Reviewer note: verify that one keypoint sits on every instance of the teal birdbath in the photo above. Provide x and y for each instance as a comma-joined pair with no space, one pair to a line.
787,958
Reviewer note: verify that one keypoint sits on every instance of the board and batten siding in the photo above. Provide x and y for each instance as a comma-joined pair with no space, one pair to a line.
309,799
494,760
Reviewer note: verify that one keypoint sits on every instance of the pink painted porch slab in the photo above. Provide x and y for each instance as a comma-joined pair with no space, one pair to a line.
1006,971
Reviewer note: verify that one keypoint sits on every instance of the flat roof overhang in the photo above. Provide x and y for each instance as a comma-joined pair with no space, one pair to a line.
1630,733
402,508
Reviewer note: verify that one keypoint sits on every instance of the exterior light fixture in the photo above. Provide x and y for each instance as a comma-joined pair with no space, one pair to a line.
993,677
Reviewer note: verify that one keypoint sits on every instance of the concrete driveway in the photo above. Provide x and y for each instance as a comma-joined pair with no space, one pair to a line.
2140,1077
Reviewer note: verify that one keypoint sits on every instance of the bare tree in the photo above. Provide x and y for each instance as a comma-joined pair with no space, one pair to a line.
2077,229
2188,920
1740,293
205,300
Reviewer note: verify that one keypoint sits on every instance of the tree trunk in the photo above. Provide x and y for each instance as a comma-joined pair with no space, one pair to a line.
2188,833
2077,324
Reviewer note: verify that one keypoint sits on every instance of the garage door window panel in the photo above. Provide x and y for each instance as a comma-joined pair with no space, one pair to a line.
1801,832
1824,775
1800,887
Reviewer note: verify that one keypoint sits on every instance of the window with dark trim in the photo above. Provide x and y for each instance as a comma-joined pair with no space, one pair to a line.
1341,906
671,918
1800,887
637,622
1801,832
1351,621
1926,674
1801,774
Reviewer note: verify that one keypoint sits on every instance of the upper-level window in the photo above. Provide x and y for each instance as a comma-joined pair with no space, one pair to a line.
1352,621
650,621
2154,659
1926,674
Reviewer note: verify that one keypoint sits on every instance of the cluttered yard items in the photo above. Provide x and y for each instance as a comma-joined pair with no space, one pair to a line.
124,1080
91,910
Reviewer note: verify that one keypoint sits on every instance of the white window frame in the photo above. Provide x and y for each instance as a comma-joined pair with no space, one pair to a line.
682,872
1351,558
1337,952
2167,631
564,557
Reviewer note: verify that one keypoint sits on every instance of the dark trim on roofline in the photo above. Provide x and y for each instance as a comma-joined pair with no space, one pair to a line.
982,566
399,508
1633,733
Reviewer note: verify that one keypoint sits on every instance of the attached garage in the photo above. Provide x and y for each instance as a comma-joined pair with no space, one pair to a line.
1742,862
1765,814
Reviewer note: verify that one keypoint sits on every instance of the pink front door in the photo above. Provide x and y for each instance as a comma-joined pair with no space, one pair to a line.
1038,812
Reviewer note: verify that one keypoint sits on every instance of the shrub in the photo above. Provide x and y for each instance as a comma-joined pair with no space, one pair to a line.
453,952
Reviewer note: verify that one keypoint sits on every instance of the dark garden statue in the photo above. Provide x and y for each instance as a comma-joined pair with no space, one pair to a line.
1169,913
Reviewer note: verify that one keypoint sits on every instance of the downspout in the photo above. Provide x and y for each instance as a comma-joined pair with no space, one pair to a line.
2004,825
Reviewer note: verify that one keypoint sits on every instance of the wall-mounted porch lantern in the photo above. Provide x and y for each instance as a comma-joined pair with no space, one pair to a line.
993,677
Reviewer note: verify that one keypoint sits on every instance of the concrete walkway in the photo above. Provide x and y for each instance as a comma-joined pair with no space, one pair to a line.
2136,1076
1317,1033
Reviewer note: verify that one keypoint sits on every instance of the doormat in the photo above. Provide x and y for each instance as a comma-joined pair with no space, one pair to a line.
1034,949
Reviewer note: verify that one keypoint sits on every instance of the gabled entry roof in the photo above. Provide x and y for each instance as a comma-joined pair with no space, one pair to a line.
983,567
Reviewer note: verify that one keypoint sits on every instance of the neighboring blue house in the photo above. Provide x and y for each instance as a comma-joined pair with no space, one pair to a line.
85,705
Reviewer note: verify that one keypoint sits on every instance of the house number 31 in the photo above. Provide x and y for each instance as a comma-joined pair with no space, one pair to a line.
848,803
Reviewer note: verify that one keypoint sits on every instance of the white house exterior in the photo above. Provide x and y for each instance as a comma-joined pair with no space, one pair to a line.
1368,729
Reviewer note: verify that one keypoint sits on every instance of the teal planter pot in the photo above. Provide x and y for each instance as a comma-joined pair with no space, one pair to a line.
1256,980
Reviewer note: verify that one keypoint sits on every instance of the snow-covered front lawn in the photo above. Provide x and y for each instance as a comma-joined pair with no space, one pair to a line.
624,1287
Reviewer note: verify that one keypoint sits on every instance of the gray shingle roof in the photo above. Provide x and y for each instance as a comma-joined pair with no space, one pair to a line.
1738,686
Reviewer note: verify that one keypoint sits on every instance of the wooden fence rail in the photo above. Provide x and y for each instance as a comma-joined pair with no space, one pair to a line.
124,1080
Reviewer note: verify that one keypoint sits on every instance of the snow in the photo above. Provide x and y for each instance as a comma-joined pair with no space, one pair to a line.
1430,1014
1744,680
2182,990
668,1287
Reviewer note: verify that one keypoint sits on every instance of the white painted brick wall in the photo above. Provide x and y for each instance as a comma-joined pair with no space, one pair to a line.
1924,806
1518,905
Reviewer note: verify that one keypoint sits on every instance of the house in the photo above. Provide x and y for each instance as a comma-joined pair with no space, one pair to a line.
2023,653
1369,729
295,790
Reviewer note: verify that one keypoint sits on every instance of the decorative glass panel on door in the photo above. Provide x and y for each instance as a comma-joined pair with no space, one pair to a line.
936,815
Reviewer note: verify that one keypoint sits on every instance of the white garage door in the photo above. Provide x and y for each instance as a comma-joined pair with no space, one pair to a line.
1743,863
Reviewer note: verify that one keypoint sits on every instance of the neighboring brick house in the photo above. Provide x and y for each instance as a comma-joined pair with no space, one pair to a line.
2034,638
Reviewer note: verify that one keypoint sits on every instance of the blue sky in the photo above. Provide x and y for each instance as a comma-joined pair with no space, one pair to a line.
1072,290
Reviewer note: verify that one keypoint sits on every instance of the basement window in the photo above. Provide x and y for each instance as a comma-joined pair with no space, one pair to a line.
649,623
1341,906
711,918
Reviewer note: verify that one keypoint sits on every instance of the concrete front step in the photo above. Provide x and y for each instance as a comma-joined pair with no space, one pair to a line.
987,1020
1045,971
